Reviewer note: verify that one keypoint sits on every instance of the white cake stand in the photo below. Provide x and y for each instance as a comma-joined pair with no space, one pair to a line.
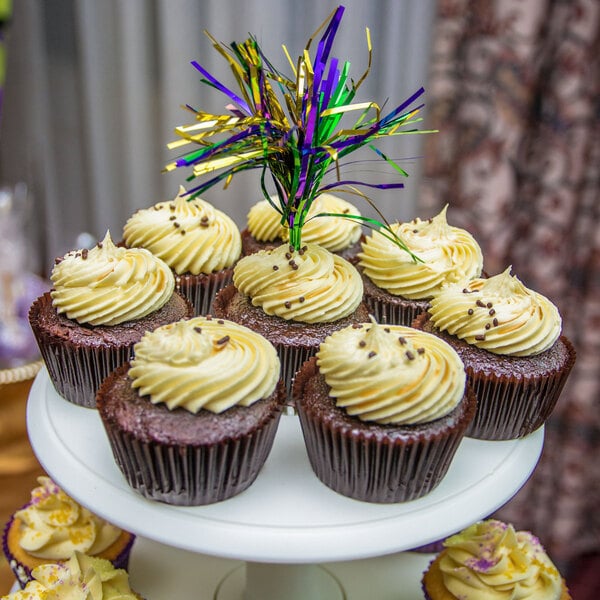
287,524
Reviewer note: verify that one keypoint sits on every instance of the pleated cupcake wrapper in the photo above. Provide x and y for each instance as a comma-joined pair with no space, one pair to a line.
192,475
201,291
512,407
291,359
78,372
372,470
391,313
22,572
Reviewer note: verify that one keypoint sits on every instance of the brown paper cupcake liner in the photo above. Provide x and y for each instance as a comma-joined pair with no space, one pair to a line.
22,572
201,290
192,475
376,468
76,373
513,407
399,312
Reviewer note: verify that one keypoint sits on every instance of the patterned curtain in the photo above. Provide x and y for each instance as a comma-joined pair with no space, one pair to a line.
514,92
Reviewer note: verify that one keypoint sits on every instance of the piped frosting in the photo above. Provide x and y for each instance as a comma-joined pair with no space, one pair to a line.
448,254
311,285
333,233
491,561
191,236
204,364
391,374
498,314
108,285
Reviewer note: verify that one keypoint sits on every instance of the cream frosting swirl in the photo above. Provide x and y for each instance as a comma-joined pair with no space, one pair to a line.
448,254
80,578
491,561
191,236
53,525
311,285
333,233
498,314
108,285
204,363
391,374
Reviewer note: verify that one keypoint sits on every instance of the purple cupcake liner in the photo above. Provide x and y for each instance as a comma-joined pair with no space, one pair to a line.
192,475
22,572
201,290
513,407
400,312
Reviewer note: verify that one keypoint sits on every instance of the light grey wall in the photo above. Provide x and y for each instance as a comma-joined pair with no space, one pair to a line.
94,91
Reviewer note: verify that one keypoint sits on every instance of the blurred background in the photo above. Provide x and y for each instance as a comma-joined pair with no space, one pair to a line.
93,90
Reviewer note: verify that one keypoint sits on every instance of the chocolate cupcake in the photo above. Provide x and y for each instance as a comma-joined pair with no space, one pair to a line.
509,339
102,302
398,287
294,299
192,419
80,576
341,236
52,526
383,410
198,242
489,559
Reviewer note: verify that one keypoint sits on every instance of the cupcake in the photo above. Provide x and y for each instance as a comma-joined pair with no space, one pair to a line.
293,298
265,230
491,560
52,526
192,419
383,409
398,287
509,339
102,302
198,242
81,577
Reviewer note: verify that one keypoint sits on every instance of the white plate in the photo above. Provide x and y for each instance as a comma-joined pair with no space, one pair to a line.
287,515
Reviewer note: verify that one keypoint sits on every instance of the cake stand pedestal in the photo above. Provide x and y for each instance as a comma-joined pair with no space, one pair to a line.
287,524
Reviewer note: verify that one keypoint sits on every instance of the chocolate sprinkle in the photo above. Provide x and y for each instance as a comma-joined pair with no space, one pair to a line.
495,322
301,299
288,255
421,350
470,311
362,343
480,338
275,268
175,224
409,355
84,253
480,303
172,218
198,329
372,354
402,340
221,322
492,312
287,304
223,340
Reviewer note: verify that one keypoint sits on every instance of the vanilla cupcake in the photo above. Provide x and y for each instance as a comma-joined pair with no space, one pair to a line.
102,302
383,409
510,340
399,287
341,236
490,560
294,299
52,526
198,242
79,578
192,419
